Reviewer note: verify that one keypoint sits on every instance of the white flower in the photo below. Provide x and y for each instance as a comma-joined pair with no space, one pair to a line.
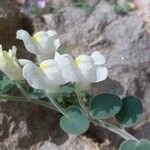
67,65
91,67
46,76
63,68
44,44
52,72
9,64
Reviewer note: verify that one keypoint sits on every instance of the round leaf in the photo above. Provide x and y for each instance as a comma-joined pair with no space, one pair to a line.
130,112
135,145
128,145
105,105
143,145
36,94
75,122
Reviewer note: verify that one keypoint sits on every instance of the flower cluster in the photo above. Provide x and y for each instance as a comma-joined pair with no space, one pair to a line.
53,69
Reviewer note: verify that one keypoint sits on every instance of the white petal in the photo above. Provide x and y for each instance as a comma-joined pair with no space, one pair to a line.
44,43
14,50
68,67
29,43
52,71
88,71
98,58
41,58
10,53
35,77
57,43
84,59
51,33
1,49
87,67
57,55
101,74
24,62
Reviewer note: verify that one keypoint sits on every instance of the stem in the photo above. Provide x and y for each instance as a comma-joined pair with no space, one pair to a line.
19,99
12,98
115,129
59,108
106,125
80,100
22,91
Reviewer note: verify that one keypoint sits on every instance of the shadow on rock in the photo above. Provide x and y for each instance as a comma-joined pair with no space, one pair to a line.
29,125
108,85
44,125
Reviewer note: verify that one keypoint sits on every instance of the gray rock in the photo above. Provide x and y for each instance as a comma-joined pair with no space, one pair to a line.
126,46
124,42
10,21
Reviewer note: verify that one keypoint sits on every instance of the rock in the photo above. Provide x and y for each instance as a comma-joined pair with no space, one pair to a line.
24,126
73,143
20,125
12,20
142,10
124,42
123,32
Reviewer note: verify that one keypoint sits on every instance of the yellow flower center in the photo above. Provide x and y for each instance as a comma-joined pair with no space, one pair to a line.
78,61
37,36
44,65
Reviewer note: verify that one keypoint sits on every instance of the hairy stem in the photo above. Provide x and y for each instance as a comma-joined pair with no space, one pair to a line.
22,91
59,108
81,101
114,129
22,99
104,124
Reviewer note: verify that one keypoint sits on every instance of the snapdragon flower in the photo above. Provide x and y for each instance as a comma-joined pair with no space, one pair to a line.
63,69
45,76
9,64
68,67
51,73
43,44
91,67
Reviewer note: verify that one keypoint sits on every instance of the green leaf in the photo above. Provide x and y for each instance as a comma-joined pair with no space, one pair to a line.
36,94
105,105
87,7
131,111
135,145
111,2
75,122
121,9
78,2
67,89
143,144
36,10
5,84
128,145
68,94
62,50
